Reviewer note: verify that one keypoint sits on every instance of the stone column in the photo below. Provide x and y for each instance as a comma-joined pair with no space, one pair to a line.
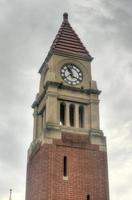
44,117
52,110
87,118
67,118
40,125
35,115
76,116
95,115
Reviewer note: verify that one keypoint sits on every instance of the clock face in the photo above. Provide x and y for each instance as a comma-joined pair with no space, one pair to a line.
71,74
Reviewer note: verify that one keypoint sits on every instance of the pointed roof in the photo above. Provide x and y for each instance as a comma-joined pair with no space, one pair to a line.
67,41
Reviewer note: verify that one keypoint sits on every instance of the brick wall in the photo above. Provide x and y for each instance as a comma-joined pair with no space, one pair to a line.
87,172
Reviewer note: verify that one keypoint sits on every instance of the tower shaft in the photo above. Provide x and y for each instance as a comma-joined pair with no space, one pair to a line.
67,158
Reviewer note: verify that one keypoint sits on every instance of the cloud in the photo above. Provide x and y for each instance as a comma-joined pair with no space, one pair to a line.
120,158
107,28
27,31
25,39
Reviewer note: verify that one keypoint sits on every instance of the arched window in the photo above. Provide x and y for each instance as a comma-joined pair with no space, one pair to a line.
81,116
62,113
71,110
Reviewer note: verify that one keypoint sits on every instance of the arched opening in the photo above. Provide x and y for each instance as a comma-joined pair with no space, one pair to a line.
81,116
72,111
62,113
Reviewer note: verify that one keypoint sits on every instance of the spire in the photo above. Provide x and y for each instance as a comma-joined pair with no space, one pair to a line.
65,17
10,195
67,42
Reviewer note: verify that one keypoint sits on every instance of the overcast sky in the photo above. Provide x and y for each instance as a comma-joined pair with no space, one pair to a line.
27,29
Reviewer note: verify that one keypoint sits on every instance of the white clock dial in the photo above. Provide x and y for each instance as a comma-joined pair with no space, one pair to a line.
71,74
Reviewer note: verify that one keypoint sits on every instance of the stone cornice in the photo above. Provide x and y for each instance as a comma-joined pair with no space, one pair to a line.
64,87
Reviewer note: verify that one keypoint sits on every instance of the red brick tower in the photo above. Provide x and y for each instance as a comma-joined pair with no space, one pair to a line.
67,159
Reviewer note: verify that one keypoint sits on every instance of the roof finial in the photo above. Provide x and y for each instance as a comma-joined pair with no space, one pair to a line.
10,196
65,17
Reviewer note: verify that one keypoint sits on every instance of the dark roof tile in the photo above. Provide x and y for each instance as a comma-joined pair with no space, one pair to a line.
67,39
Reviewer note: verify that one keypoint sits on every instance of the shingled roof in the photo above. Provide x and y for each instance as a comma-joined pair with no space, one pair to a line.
67,41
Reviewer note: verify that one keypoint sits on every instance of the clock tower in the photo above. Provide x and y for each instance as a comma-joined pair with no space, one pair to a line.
67,159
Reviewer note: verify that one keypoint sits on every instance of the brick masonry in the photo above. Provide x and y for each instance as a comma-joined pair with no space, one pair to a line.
87,171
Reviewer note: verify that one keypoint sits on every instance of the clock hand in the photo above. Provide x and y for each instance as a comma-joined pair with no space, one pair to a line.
74,76
71,76
68,75
71,72
69,69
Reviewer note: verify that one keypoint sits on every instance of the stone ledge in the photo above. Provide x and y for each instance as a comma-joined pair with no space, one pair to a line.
88,91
